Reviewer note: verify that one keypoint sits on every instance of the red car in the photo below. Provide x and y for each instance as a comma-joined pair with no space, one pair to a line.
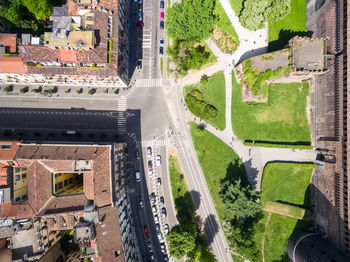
145,229
161,15
150,165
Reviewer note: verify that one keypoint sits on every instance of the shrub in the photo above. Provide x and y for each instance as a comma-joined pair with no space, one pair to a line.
92,91
24,89
200,108
8,89
80,91
52,90
116,92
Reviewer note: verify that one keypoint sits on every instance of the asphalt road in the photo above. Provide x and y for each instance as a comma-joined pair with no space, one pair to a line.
94,103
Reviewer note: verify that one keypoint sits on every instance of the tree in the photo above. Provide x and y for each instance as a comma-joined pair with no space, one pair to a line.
41,9
191,19
182,239
278,10
240,200
256,12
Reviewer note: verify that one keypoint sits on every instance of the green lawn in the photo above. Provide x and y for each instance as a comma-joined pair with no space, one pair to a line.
225,36
236,5
282,119
287,182
215,157
214,94
293,24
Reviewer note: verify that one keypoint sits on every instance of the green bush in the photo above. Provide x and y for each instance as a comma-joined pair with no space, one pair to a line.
8,89
92,91
200,108
80,91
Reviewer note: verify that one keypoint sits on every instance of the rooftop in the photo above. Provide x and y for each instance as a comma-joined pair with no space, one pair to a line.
9,41
308,53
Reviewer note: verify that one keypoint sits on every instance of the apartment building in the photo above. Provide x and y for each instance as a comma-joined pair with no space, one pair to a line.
47,190
88,45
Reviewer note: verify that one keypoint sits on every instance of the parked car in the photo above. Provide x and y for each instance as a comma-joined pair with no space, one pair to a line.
154,209
150,173
145,229
157,228
166,259
162,4
149,151
162,41
163,212
152,257
156,218
166,229
161,50
139,16
140,24
150,165
162,247
139,64
161,200
153,198
141,203
137,155
159,181
161,24
159,160
161,15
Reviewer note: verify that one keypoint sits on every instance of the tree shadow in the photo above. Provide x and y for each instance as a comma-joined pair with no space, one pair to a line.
252,172
185,208
196,197
235,171
211,228
283,38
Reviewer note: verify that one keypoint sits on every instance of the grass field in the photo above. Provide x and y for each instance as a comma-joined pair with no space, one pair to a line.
224,34
161,66
282,119
215,157
287,182
236,5
293,24
214,94
276,237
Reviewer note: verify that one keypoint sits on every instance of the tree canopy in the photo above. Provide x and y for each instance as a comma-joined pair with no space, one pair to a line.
191,19
182,239
256,12
240,200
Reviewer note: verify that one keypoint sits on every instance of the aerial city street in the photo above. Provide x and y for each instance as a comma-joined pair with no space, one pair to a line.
194,130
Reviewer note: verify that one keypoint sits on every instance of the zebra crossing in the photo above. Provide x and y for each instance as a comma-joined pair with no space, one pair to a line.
122,106
157,142
153,82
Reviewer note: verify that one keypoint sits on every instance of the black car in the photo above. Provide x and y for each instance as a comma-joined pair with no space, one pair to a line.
139,66
161,24
161,50
161,4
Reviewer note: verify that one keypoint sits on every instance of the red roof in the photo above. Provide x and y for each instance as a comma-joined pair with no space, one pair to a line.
9,41
9,64
8,154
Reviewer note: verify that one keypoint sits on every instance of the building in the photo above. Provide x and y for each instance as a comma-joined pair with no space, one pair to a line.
88,45
54,188
330,128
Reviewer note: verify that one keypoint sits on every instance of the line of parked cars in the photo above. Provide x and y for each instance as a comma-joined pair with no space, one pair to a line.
162,15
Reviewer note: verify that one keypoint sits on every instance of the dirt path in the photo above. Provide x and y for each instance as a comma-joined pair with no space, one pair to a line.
263,238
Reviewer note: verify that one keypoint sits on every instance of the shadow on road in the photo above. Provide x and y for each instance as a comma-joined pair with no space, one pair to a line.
211,228
196,197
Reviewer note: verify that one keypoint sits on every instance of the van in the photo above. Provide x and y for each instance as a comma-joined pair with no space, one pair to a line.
138,176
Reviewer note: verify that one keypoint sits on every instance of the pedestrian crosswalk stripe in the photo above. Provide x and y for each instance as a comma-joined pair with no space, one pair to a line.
153,82
158,142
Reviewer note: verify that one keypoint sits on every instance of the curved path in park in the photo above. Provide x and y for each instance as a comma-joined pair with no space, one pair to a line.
252,43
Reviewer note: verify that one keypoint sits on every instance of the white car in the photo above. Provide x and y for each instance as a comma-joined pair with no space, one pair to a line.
150,173
154,209
159,160
166,229
156,218
149,151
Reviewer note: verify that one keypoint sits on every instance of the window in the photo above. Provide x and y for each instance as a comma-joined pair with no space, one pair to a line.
24,176
60,185
17,169
56,187
17,177
66,182
17,199
71,180
24,197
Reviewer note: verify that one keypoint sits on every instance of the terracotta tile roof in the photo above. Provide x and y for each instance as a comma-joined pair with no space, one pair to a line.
72,8
67,55
3,176
15,211
64,204
9,41
108,237
58,165
102,180
10,64
39,185
9,154
61,152
30,53
109,4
